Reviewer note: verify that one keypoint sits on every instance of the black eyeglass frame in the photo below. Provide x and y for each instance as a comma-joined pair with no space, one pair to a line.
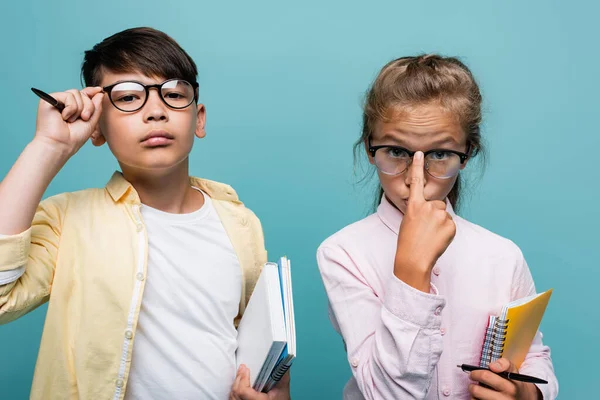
158,86
463,156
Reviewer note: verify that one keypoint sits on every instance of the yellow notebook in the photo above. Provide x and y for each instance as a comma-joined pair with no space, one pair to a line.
510,334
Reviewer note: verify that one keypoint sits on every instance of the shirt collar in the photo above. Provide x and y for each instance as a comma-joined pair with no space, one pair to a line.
120,189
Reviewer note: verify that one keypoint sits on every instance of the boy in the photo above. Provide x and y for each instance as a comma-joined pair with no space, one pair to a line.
148,277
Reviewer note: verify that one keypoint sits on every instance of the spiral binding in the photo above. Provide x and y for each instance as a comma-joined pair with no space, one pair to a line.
495,338
278,373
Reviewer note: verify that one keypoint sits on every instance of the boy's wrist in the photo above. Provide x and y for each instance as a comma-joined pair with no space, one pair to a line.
52,150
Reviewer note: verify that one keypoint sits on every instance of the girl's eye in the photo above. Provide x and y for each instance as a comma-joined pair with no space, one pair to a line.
439,155
397,153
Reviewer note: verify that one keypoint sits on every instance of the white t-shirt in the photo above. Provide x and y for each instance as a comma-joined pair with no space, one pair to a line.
185,341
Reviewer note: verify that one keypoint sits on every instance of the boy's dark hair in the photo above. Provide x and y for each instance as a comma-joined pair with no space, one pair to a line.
145,50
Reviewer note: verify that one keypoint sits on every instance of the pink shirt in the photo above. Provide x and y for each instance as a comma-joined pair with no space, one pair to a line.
403,343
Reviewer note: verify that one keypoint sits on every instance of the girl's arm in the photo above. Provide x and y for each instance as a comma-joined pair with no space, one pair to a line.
393,344
538,362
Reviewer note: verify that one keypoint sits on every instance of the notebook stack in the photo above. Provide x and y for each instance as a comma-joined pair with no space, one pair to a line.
511,333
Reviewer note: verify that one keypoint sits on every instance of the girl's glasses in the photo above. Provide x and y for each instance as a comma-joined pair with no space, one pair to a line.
439,163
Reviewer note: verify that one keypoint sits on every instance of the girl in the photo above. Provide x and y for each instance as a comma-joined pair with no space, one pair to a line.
411,286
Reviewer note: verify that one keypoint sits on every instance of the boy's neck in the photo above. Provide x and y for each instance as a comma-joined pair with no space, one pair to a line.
167,191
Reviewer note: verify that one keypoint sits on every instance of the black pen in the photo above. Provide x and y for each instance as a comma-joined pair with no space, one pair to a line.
45,96
506,375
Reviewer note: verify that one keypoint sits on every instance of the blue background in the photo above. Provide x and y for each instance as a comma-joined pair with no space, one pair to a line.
283,84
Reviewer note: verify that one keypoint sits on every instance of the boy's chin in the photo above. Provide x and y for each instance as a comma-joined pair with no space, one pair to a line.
158,167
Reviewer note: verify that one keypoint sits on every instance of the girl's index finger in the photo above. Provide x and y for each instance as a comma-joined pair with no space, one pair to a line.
417,179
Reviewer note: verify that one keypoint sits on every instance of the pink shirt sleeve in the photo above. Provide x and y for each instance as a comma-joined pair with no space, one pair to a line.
538,362
393,346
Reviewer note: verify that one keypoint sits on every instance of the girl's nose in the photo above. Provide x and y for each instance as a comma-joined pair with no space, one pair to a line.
412,169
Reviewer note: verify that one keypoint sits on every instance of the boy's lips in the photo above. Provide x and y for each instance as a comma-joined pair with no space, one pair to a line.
157,138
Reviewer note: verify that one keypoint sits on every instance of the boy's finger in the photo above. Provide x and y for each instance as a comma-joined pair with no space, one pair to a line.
416,178
88,108
97,108
91,91
70,105
235,388
245,377
77,96
79,101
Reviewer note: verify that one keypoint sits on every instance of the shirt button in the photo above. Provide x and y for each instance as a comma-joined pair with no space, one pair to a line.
436,271
128,334
139,276
120,383
443,331
354,362
446,392
438,311
139,227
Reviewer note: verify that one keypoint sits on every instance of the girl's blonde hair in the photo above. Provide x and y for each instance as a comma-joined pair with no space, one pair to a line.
412,81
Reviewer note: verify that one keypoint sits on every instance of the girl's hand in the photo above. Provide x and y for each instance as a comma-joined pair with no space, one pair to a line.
502,389
425,233
242,390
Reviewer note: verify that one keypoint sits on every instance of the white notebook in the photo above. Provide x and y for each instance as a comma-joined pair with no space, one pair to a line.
266,333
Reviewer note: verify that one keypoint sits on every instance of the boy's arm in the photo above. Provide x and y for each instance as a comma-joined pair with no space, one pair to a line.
58,136
35,252
30,232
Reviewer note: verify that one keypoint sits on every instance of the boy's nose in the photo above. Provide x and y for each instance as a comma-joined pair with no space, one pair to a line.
155,109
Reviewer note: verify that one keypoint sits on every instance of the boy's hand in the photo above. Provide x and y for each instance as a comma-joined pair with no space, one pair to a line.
242,390
501,388
425,233
70,129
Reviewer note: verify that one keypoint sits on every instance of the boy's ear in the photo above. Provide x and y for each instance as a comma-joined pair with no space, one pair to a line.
201,122
97,137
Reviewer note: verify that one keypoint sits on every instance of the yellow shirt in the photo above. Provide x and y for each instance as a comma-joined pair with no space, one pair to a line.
86,253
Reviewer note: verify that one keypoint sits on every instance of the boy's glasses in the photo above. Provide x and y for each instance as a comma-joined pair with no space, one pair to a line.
439,163
130,96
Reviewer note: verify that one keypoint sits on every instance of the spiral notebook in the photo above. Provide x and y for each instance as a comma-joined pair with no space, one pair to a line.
267,332
511,333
